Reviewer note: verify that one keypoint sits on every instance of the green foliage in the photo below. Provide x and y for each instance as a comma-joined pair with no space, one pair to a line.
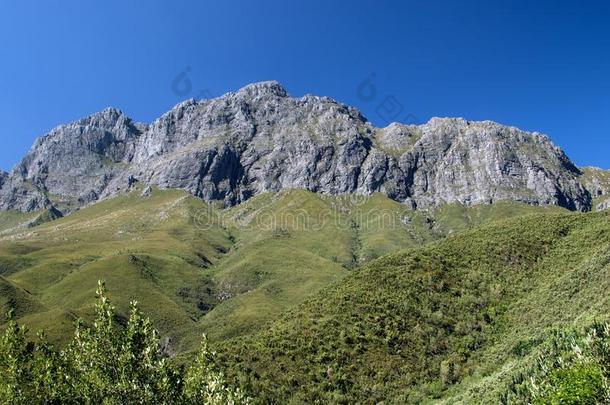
297,311
571,368
581,384
14,370
205,384
107,363
197,268
450,321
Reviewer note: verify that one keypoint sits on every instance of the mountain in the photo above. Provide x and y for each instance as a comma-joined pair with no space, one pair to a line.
327,260
455,321
259,139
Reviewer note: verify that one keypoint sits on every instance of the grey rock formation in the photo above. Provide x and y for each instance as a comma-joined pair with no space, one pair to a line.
477,162
146,192
604,205
72,165
597,182
260,139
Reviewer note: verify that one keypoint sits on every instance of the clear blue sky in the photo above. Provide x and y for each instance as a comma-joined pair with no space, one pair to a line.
538,65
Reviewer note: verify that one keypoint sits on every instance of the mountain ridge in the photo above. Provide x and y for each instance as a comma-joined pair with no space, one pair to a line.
259,139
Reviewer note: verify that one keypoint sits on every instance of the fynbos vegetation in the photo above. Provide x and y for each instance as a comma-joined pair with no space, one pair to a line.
572,368
107,363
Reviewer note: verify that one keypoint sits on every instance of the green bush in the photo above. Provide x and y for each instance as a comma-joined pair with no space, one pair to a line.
580,384
107,363
572,368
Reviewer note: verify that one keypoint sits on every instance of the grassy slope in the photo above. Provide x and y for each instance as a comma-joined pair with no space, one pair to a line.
146,249
290,245
197,268
11,221
451,321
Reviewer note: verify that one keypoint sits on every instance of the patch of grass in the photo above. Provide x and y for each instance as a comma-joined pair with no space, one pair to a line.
11,220
14,298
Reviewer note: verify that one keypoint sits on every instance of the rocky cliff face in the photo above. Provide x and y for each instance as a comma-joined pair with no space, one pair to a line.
597,181
72,165
259,139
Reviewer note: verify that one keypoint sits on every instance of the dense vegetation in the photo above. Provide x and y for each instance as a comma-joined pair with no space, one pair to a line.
309,307
196,268
107,363
571,368
454,321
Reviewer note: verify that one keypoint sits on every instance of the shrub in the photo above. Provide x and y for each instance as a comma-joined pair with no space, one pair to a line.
580,384
572,368
107,363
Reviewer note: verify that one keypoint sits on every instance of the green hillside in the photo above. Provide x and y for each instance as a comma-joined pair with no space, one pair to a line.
455,321
12,221
146,249
196,267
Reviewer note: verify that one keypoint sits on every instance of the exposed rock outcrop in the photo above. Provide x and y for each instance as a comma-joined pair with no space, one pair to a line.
597,182
260,139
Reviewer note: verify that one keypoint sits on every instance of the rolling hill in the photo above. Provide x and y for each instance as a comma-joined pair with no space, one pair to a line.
454,321
198,267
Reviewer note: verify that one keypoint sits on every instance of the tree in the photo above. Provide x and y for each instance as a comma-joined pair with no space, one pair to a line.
205,384
107,364
15,361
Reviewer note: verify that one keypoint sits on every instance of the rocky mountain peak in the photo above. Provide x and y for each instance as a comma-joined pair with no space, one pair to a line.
185,104
259,139
261,89
108,113
112,120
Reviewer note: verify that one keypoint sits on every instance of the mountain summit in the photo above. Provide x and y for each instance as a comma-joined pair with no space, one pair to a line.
259,139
